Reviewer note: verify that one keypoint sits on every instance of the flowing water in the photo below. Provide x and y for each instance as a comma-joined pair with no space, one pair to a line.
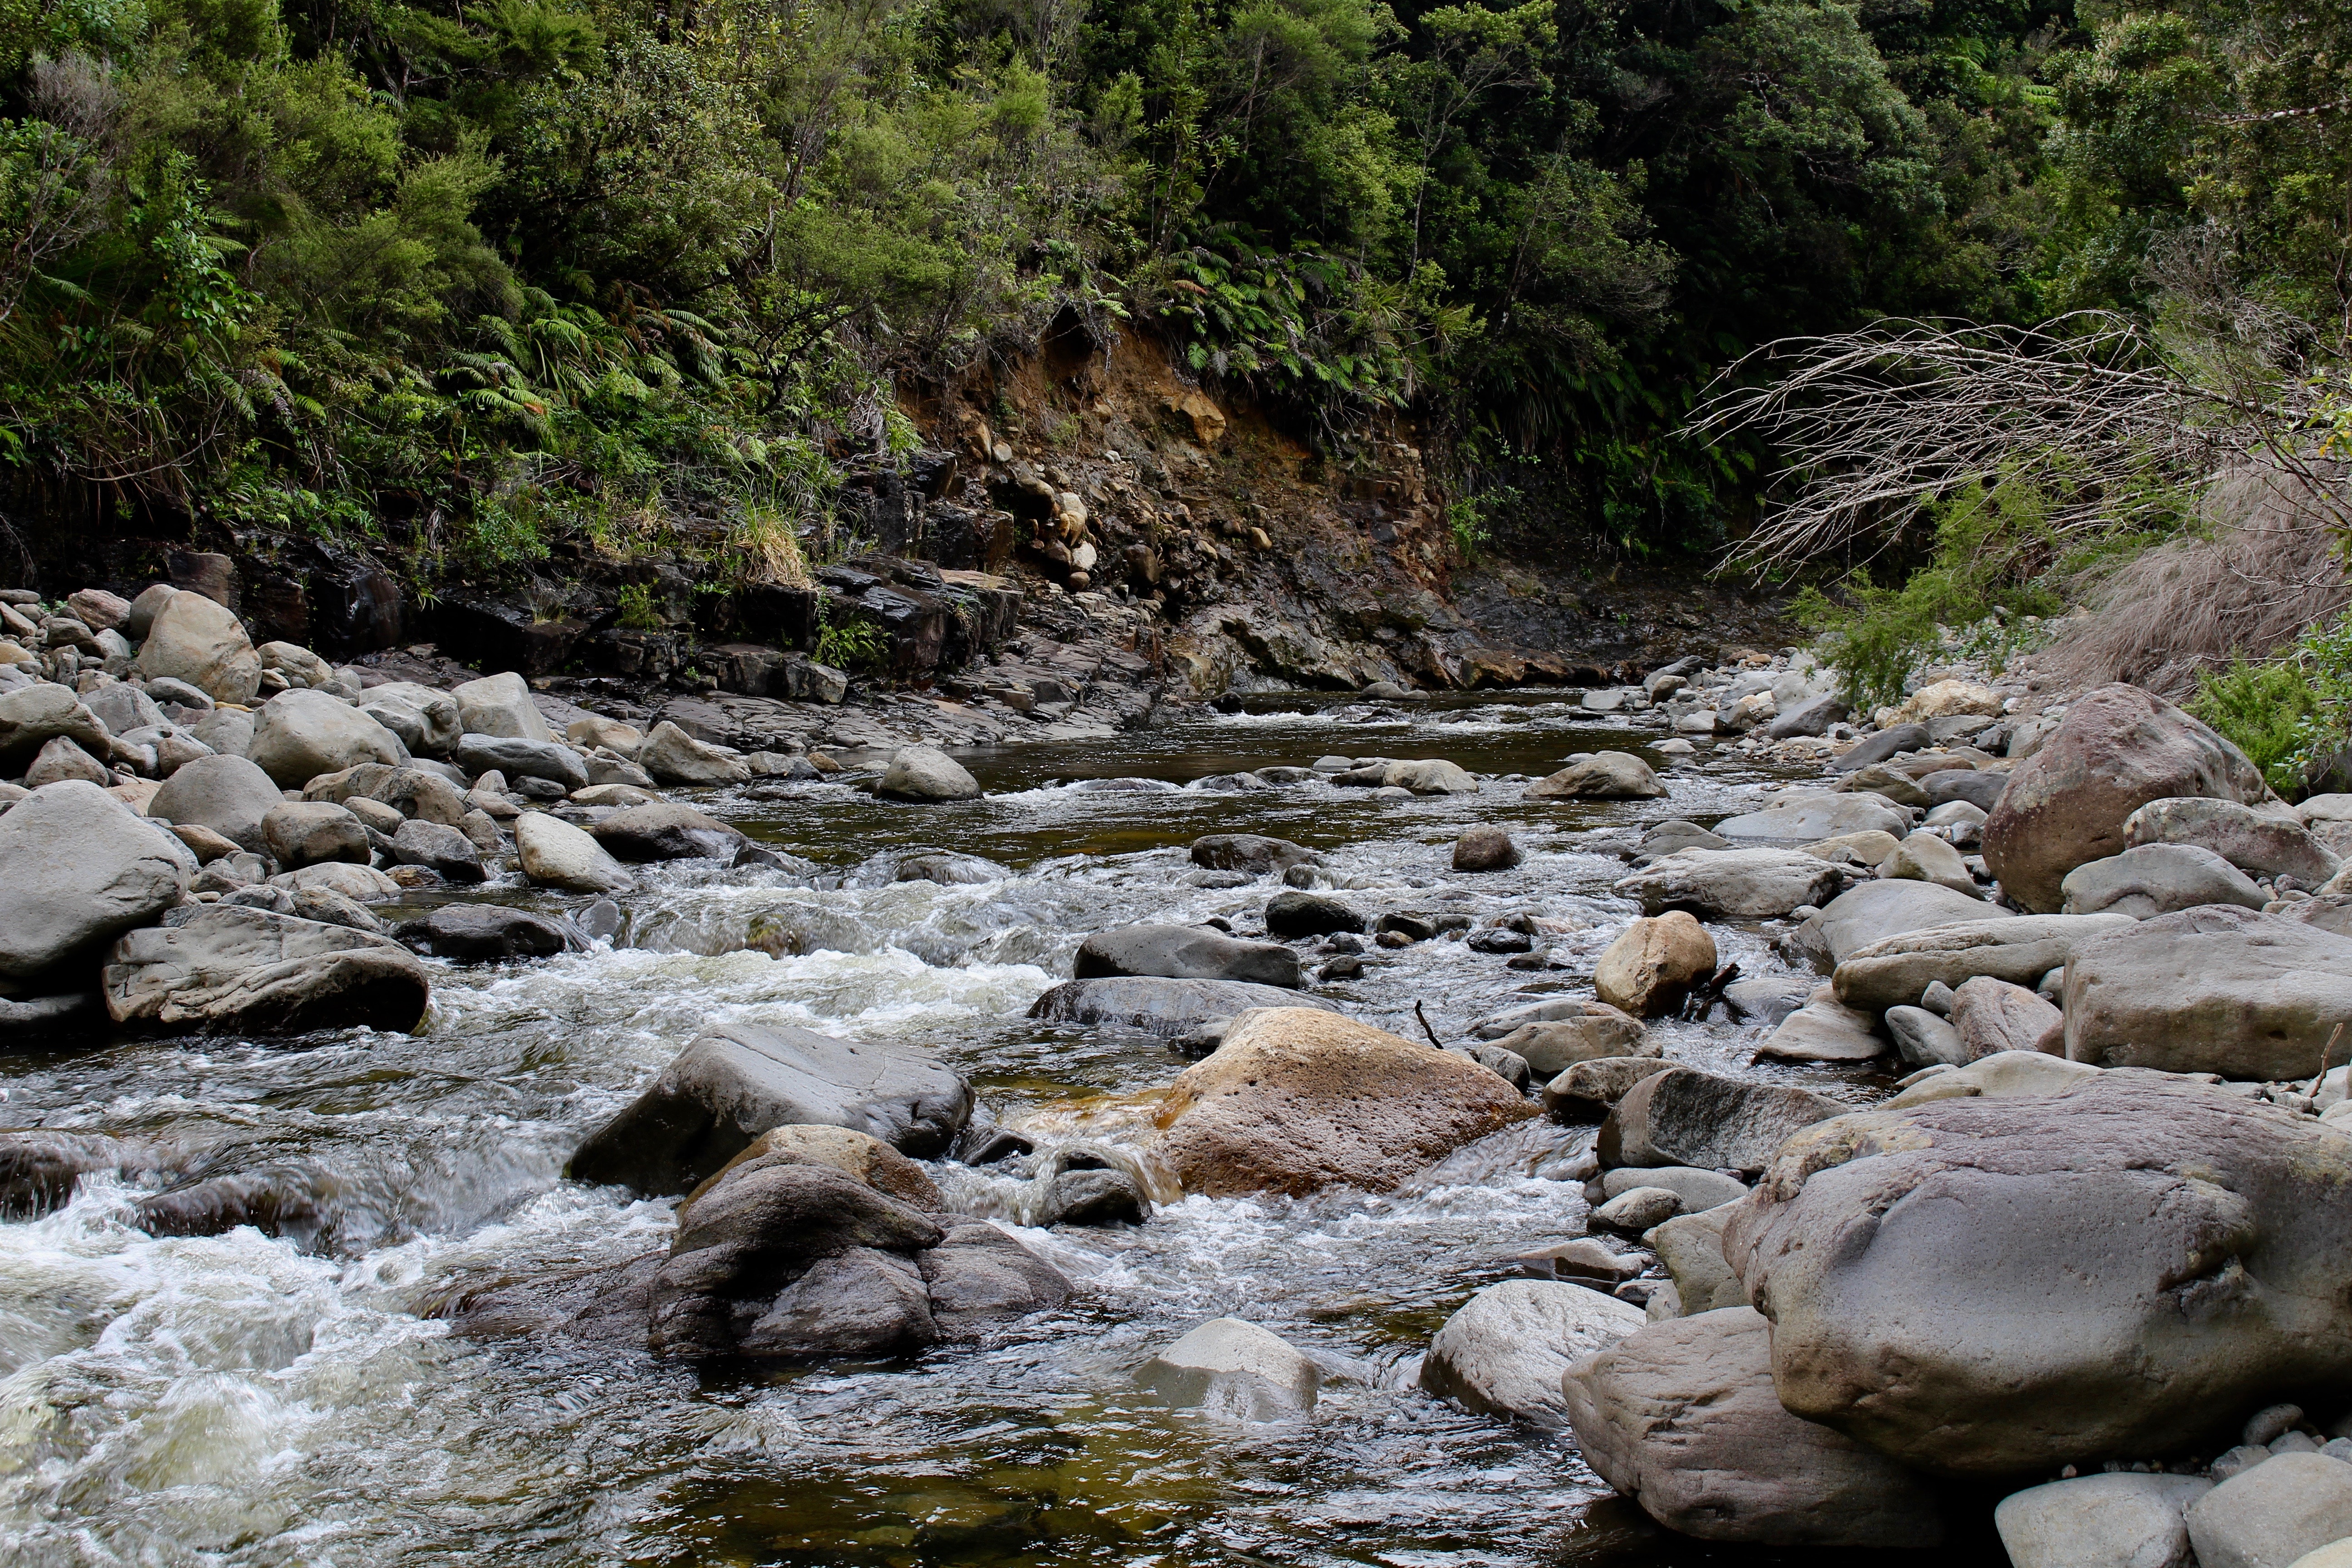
248,1400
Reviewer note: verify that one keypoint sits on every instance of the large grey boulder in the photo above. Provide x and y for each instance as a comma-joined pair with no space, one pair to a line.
32,716
674,757
2119,1521
1893,972
61,760
2218,989
122,708
249,971
1991,1016
736,1081
192,638
2267,842
1681,1418
1690,1245
1250,852
484,933
1875,911
1186,953
2157,879
554,854
412,792
442,850
305,832
1684,1117
1233,1369
1160,1006
1926,1039
1803,819
1997,1285
2118,749
1738,884
1431,775
227,732
1824,1030
668,830
520,757
978,1276
1924,857
1601,1033
2272,1515
77,868
924,774
500,706
1503,1351
428,722
1604,775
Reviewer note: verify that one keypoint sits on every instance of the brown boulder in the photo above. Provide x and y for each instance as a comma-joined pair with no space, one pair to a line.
1651,968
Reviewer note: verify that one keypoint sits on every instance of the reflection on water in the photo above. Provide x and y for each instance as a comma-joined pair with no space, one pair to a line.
234,1399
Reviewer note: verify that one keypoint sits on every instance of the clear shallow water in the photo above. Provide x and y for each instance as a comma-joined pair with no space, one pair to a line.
247,1400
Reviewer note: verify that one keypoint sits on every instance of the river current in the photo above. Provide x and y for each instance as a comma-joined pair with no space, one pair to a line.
247,1400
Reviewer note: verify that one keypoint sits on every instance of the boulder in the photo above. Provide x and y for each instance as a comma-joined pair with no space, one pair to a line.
978,1276
78,868
2157,879
192,638
1588,1090
852,1153
951,870
2216,989
444,851
1552,1047
1431,775
1296,1099
1824,1030
1251,853
1925,857
520,757
1808,818
500,706
1504,1350
411,792
595,731
33,716
1766,1002
1887,784
2119,1521
1296,914
919,773
1690,1245
1695,1190
426,721
227,732
1926,1039
674,757
1684,1117
226,969
98,609
483,933
1946,699
359,883
1162,1006
1888,743
300,666
1233,1369
302,832
1672,837
1893,972
120,707
736,1081
1812,716
1186,953
2266,843
1604,775
145,609
61,760
668,830
1736,884
1981,790
1872,911
1991,1016
1637,1209
2274,1513
2118,749
39,1168
1485,849
554,854
1649,969
1995,1286
1681,1418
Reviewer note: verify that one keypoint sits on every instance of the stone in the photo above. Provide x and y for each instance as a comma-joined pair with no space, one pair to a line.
1674,836
522,758
674,757
1926,1039
1894,970
554,854
1765,1002
1977,791
2273,1514
203,842
483,933
1503,1352
61,760
1690,1245
1945,699
143,610
1824,1030
1430,775
1589,1089
1086,1188
1637,1209
1888,743
1485,849
978,1276
1736,884
951,870
2266,843
410,792
1233,1369
2118,749
39,1169
98,609
846,1150
1684,1117
2136,1260
1806,819
1297,914
737,1080
2216,989
79,868
33,716
499,706
193,639
300,666
228,733
1604,775
1812,716
668,830
1888,783
122,708
2118,1520
446,851
1186,953
1296,1099
1681,1418
2157,879
596,730
426,721
1924,857
1552,1047
1992,1016
227,969
302,832
1173,1007
357,882
1649,970
1250,853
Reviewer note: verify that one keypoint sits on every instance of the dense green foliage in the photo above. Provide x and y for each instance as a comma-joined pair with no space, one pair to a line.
498,271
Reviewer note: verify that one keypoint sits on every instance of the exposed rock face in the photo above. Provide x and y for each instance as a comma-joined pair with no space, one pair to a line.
1738,884
667,830
2118,749
248,969
500,705
1186,953
1998,1286
1893,972
2218,989
925,774
1296,1099
1161,1006
1604,775
1648,970
2268,843
1502,1352
77,868
737,1080
297,735
1684,1117
2157,879
192,638
1681,1416
554,854
1233,1369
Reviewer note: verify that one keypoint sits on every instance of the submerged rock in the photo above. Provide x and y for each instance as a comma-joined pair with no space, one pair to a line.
1160,1006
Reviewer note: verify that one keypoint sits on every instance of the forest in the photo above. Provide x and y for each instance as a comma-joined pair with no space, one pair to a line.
516,270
